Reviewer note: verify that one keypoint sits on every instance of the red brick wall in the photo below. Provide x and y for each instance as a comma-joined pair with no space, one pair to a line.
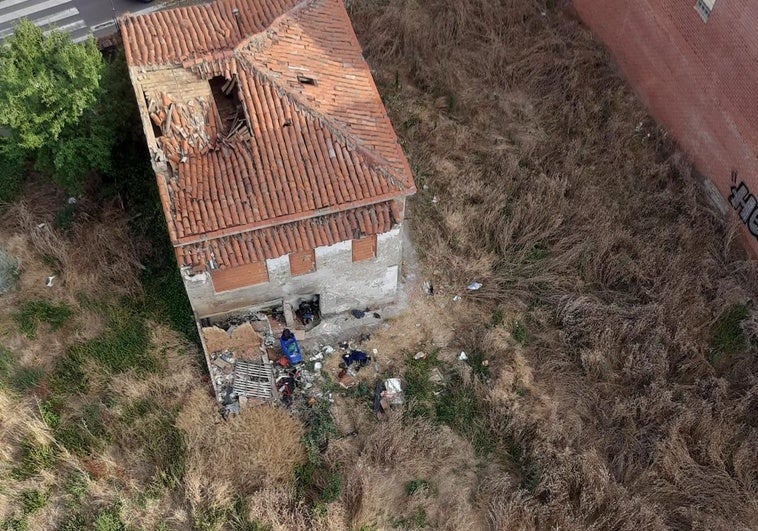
699,80
364,248
239,277
302,262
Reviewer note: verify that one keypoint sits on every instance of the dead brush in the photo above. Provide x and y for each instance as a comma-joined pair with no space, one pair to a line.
98,255
259,448
542,159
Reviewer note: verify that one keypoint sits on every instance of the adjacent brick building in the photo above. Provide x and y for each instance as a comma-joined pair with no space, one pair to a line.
278,169
695,64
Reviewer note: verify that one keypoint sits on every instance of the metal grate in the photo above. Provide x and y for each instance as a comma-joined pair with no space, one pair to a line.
253,379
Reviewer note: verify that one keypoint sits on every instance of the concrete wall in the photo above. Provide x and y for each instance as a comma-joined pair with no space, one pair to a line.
698,79
341,283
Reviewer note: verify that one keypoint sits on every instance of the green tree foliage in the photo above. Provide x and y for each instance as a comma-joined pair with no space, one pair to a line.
46,84
63,104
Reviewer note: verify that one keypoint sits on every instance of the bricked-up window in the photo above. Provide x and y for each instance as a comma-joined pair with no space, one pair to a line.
364,248
704,8
239,277
302,262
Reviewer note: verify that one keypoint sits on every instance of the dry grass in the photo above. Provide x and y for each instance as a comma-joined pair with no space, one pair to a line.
558,192
259,448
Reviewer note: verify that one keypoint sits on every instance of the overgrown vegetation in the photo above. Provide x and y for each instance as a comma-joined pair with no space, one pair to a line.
610,372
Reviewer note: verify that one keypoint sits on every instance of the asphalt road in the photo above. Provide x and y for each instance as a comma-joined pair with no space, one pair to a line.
80,18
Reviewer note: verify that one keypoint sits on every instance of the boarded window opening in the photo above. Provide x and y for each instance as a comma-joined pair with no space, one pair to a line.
228,104
364,248
302,262
239,277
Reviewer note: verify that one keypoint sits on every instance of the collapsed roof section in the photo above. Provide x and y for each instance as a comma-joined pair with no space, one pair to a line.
261,113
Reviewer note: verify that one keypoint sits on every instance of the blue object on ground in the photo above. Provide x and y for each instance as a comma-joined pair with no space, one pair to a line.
291,349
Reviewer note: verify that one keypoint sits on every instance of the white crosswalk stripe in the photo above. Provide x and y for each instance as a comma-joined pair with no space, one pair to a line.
46,14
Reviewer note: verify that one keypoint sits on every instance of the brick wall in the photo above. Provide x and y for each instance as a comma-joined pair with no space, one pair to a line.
302,262
364,248
239,277
699,80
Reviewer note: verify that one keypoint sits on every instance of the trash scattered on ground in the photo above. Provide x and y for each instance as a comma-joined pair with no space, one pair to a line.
49,281
456,298
474,286
356,358
358,314
419,355
435,200
393,391
435,376
462,356
428,287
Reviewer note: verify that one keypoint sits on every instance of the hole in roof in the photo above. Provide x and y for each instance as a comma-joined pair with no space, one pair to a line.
305,80
230,112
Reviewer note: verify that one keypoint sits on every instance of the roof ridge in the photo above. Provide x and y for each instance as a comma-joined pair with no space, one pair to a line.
376,161
278,21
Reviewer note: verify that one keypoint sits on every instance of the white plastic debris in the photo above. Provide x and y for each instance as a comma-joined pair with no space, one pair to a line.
49,281
419,355
435,200
375,351
328,349
393,391
474,286
316,357
462,356
456,298
317,366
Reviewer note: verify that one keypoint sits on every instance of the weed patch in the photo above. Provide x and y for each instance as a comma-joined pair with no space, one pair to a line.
33,313
17,377
315,482
33,500
727,337
35,457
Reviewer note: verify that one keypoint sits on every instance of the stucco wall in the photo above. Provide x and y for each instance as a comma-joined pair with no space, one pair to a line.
698,79
341,283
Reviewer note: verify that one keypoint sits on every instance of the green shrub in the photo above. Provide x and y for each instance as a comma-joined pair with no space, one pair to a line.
32,313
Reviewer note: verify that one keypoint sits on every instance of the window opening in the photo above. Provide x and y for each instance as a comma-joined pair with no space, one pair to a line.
704,8
305,80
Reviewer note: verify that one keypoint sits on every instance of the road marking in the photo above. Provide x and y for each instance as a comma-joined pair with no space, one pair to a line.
69,28
10,3
19,13
44,21
82,38
103,25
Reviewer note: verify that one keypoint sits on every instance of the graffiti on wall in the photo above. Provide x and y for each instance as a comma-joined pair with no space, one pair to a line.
745,204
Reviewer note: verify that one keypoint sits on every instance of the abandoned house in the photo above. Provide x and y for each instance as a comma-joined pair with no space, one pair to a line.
279,172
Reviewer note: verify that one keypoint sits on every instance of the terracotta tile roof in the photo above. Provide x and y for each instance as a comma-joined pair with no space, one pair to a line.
176,35
279,240
293,163
308,146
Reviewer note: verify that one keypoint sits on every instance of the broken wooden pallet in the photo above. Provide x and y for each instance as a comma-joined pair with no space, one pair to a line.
253,379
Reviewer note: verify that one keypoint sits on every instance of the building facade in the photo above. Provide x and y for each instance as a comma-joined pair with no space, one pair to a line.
695,65
279,172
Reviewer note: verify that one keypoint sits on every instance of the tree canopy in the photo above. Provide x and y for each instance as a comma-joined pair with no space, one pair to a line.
47,82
